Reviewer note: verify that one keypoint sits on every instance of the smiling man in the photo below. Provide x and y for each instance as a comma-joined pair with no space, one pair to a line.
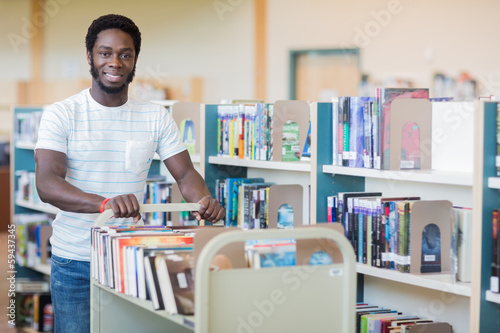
94,152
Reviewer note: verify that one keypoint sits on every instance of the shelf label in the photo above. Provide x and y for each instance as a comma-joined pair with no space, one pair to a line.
336,271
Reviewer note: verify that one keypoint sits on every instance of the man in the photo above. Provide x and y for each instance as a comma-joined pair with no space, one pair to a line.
94,152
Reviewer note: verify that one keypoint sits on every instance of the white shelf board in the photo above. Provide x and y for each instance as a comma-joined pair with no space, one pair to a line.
25,145
286,166
441,282
187,321
494,182
492,297
423,176
46,208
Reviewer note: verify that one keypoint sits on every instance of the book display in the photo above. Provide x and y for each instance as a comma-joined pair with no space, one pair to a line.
432,273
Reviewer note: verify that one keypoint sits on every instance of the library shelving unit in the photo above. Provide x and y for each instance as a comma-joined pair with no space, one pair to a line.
485,304
22,158
432,295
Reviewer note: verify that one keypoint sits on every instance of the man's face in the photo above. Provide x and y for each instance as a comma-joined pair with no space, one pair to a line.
112,60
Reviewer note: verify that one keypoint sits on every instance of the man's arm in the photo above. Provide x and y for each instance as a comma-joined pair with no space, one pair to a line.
52,187
193,188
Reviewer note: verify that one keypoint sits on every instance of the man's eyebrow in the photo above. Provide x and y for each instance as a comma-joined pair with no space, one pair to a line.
125,49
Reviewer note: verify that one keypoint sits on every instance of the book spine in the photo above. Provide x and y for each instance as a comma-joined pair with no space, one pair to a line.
495,253
345,131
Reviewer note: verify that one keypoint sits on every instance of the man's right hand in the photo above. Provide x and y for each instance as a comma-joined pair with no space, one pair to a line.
125,205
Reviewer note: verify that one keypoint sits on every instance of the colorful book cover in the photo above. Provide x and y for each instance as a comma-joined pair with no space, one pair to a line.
232,190
344,110
285,217
431,249
495,253
291,143
410,144
188,136
357,130
306,151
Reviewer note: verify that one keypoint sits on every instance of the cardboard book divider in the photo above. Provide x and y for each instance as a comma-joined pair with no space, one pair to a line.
405,110
283,111
424,213
285,194
189,110
235,252
307,247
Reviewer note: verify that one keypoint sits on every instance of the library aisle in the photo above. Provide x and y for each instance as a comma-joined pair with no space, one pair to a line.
4,285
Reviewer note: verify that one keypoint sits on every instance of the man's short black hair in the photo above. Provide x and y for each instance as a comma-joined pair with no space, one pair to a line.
113,21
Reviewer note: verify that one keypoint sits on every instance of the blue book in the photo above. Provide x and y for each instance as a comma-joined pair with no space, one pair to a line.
357,131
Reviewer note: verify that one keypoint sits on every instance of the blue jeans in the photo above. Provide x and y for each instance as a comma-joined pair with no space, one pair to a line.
70,289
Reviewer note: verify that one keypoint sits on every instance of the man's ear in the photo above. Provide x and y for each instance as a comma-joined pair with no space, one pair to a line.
89,57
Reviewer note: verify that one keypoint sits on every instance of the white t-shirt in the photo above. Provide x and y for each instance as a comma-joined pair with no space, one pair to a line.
109,151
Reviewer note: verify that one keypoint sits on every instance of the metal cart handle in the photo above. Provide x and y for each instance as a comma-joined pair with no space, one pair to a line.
150,208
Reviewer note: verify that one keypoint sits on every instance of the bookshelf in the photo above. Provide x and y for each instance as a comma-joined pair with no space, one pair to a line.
22,158
485,305
409,293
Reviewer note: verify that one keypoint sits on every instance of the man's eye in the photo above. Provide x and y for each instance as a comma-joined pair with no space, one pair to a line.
104,54
126,56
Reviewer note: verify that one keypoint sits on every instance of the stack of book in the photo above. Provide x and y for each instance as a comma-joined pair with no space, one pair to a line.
379,229
140,262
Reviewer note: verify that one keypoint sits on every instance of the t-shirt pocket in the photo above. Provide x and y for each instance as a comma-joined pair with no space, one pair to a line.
138,155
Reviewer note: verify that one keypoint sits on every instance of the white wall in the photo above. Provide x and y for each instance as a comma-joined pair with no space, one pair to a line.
461,34
14,40
180,39
190,38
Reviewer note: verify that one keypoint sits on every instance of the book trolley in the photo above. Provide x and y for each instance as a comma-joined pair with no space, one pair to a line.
281,299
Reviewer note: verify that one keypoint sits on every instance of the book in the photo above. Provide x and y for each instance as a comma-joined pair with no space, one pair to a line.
431,249
153,284
232,188
464,245
410,144
175,276
495,253
188,134
291,143
357,130
344,111
306,151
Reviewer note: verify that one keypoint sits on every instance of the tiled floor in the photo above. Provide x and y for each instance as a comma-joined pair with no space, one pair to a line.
4,285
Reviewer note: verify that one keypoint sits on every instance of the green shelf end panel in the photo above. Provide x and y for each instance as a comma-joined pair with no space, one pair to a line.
328,184
214,172
489,311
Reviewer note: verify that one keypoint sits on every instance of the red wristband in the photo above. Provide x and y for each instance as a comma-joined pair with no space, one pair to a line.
103,203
